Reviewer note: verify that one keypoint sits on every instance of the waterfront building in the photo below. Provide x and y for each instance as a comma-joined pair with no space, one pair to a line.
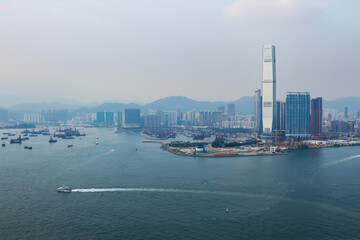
100,117
131,118
258,111
4,115
119,118
33,118
230,109
316,117
298,115
109,118
339,126
151,121
268,88
56,115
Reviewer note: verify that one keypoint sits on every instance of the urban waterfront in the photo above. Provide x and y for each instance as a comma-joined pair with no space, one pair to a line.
126,189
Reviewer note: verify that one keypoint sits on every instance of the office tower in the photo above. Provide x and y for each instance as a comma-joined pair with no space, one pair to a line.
100,117
230,109
109,118
257,111
268,88
298,115
346,112
316,116
221,108
4,115
131,118
280,116
358,115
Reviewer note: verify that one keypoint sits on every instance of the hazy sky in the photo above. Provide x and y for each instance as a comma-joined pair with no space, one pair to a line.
142,50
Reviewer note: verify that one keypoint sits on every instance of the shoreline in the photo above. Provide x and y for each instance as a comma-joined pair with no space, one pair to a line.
178,152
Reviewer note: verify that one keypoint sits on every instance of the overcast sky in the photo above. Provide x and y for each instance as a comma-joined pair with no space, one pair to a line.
143,50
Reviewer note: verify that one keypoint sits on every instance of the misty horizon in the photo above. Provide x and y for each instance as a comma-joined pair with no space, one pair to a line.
92,51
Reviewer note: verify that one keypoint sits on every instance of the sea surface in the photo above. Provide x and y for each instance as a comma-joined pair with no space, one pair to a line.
126,189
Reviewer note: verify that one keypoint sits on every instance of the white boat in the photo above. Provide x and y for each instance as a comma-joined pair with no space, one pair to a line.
64,189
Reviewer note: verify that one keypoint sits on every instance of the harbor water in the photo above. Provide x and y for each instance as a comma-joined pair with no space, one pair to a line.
126,189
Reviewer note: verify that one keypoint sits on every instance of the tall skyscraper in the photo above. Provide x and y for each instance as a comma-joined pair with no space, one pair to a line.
298,115
268,88
316,116
257,111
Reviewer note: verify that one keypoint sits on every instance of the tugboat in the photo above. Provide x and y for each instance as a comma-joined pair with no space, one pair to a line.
97,143
69,146
52,140
28,148
64,189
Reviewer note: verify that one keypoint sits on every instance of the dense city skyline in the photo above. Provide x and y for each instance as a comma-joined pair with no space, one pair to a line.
95,51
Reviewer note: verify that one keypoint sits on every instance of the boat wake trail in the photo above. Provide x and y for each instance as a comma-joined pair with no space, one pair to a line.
340,161
324,206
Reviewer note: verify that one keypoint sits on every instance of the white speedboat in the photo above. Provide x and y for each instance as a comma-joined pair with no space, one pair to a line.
64,189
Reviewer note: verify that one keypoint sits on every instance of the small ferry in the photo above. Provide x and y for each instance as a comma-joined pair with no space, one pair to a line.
4,138
64,189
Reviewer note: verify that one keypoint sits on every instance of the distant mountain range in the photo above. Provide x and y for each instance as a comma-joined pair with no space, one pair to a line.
244,105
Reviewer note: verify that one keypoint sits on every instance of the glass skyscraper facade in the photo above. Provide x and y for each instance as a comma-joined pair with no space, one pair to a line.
268,88
257,111
298,115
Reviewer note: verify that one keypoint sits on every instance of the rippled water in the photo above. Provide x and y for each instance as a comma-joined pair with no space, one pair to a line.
126,189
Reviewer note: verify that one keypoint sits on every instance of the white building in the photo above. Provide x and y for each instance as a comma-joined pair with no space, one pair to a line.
268,88
33,118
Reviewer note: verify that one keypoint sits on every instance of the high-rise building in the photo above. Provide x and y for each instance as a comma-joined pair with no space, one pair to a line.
268,88
32,118
280,116
316,116
100,117
298,115
60,115
230,109
346,112
257,111
109,118
131,118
